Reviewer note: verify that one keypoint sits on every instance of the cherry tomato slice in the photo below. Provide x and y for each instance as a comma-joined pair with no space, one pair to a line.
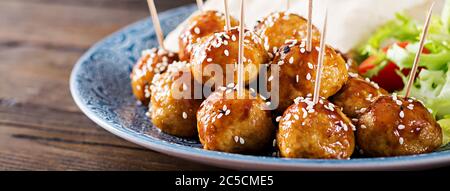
367,65
387,78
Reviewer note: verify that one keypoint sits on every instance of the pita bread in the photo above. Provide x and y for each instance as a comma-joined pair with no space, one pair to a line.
350,21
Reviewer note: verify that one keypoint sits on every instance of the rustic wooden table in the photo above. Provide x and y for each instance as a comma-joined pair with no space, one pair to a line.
41,128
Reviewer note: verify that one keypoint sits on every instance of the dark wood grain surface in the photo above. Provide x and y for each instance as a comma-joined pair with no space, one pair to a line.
41,128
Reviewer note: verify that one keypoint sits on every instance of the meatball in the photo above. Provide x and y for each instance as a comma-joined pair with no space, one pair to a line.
319,131
395,126
173,107
222,49
298,72
357,95
152,62
234,125
201,25
278,27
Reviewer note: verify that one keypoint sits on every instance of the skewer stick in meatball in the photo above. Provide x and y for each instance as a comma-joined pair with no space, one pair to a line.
288,5
320,63
314,127
200,5
394,126
151,62
227,15
412,75
241,51
297,72
215,60
296,65
310,27
156,24
229,118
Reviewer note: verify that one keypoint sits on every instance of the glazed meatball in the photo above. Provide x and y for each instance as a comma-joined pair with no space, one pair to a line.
173,107
298,72
222,49
234,125
152,62
357,95
395,126
319,131
278,27
199,26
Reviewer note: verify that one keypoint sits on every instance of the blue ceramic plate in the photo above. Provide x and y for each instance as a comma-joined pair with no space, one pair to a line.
100,86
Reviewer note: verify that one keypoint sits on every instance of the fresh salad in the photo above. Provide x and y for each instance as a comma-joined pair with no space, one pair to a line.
388,55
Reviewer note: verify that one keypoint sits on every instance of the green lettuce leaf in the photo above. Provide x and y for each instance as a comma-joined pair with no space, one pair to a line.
405,29
402,28
404,57
445,125
433,88
446,15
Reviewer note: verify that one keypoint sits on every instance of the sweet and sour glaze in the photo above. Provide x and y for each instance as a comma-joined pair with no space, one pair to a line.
394,126
308,130
234,125
357,95
222,49
298,72
386,125
151,62
278,27
201,25
173,107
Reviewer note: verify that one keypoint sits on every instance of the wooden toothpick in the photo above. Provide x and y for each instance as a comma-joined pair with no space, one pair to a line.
309,29
200,5
320,60
412,75
156,24
227,16
241,51
288,5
